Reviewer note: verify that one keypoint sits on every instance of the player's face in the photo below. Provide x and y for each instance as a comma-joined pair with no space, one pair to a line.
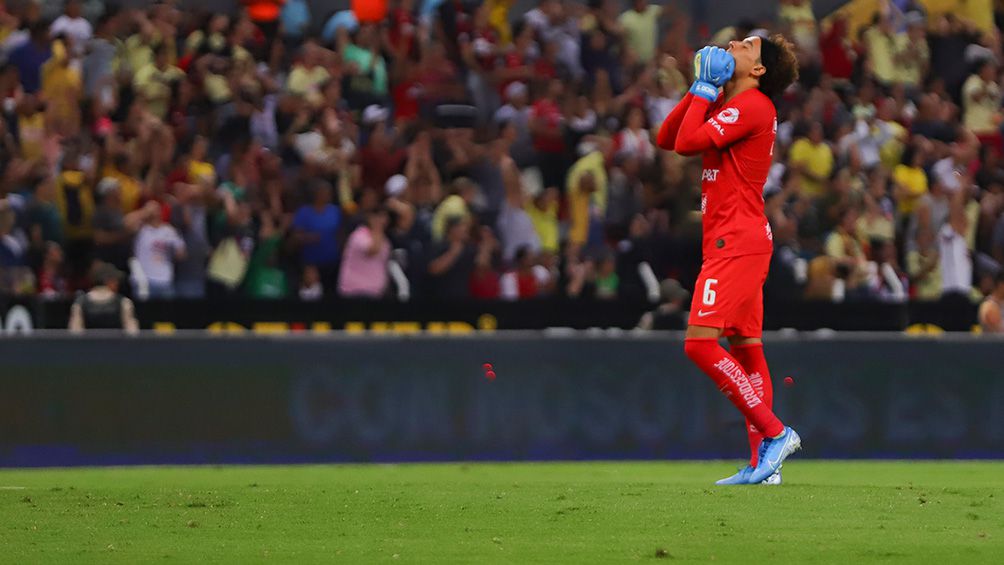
747,56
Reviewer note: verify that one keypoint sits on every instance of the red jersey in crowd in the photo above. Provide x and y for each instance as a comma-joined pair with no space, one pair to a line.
548,112
838,61
484,42
402,32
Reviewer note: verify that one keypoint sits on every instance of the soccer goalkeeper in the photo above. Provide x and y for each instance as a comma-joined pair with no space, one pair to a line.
733,130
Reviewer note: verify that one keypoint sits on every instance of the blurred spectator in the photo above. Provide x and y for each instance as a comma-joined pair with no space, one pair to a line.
546,127
75,199
798,20
635,141
380,158
836,49
484,283
295,20
30,56
923,264
367,69
845,250
311,289
909,180
671,314
364,265
587,197
111,235
103,308
867,138
950,37
154,82
52,284
812,157
62,88
45,222
308,75
991,311
981,103
525,279
317,227
157,247
190,216
556,25
74,27
13,251
888,282
606,279
626,193
452,261
515,224
265,279
456,205
641,28
886,48
543,211
956,261
99,61
914,61
516,114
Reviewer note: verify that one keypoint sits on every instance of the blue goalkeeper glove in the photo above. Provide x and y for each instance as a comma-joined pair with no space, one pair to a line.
717,66
713,67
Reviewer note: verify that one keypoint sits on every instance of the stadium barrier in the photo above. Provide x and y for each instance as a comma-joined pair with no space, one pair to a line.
593,395
236,316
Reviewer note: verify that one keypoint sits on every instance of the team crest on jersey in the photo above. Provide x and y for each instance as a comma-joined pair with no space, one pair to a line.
729,115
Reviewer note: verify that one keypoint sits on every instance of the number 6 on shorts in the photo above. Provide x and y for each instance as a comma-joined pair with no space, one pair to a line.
709,293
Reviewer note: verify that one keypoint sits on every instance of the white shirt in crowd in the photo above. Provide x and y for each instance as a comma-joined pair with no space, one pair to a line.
948,174
956,264
77,29
155,250
868,140
509,282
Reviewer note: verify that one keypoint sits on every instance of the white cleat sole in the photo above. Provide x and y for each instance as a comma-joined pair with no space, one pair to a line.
773,480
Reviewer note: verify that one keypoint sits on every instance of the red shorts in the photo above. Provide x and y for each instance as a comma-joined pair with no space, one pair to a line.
729,294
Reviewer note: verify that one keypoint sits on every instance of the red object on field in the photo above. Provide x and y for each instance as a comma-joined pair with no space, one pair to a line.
788,381
370,11
490,375
487,366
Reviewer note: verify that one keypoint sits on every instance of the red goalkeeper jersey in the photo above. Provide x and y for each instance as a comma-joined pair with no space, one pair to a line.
743,131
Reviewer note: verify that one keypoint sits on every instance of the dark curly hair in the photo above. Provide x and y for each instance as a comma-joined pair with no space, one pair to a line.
777,55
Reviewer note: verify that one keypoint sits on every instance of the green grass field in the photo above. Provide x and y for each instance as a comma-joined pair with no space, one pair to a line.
842,512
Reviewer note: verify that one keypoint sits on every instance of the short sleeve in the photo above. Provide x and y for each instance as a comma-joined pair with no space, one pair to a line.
797,154
972,84
300,219
360,240
835,246
737,120
177,241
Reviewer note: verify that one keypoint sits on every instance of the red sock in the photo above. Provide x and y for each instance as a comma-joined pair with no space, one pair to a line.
731,379
751,357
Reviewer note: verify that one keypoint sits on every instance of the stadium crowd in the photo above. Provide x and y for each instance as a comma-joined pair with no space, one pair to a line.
454,149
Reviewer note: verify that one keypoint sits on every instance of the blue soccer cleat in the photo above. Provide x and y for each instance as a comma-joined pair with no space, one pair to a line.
774,452
740,478
743,478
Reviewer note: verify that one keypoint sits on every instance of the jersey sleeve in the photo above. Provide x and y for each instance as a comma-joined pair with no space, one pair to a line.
736,120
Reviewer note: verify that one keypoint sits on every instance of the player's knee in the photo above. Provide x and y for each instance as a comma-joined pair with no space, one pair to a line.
693,348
